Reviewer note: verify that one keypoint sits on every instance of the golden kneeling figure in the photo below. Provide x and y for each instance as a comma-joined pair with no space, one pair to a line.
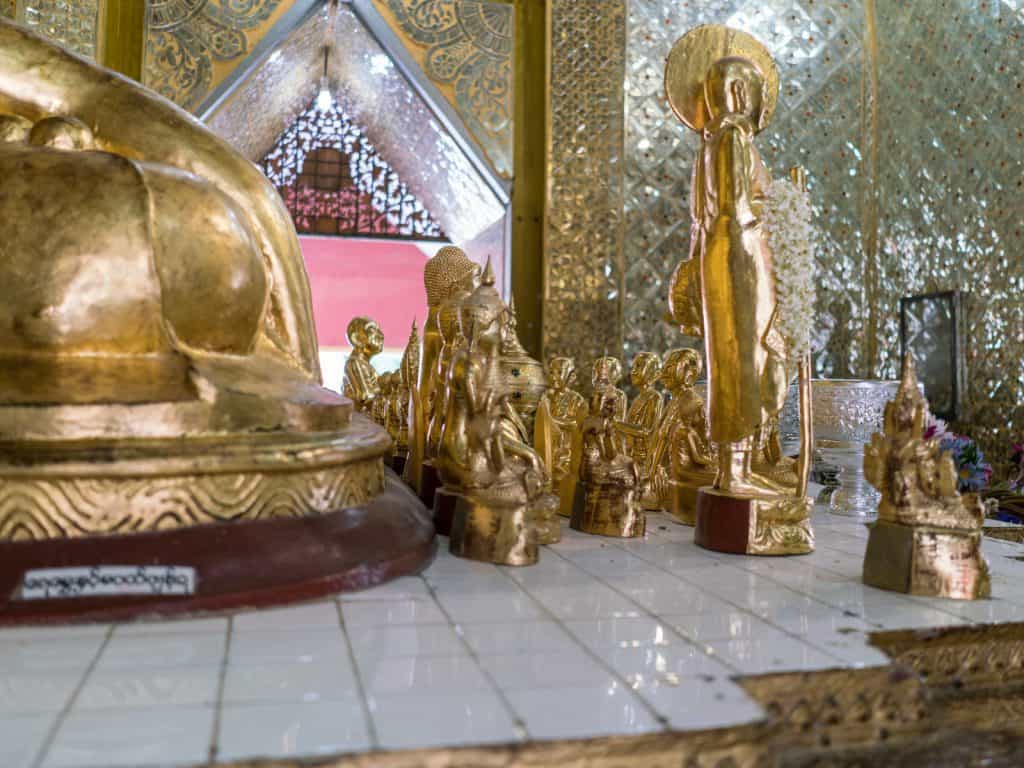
608,492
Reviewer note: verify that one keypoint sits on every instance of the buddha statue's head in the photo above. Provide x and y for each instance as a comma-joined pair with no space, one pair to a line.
365,336
735,86
562,372
645,370
606,373
681,369
482,318
449,271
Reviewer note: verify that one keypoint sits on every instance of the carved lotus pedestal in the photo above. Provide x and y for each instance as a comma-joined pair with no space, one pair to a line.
926,560
752,526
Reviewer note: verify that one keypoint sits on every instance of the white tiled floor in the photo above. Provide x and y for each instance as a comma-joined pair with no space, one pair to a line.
603,636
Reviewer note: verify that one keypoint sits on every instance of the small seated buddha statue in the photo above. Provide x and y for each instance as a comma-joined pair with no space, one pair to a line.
643,418
503,502
557,429
609,482
682,460
604,378
927,538
361,383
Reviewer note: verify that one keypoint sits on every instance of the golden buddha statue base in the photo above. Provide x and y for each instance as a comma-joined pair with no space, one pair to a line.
221,566
607,511
926,560
753,526
680,501
493,533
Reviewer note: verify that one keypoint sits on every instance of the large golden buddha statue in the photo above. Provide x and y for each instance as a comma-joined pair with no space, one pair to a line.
723,84
156,335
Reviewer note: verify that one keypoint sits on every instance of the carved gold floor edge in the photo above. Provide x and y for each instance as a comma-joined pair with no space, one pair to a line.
950,697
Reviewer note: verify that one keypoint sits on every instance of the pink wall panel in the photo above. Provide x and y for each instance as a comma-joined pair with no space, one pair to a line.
380,279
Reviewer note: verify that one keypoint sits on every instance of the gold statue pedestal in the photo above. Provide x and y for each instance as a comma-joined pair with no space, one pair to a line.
680,501
753,526
492,532
607,511
927,561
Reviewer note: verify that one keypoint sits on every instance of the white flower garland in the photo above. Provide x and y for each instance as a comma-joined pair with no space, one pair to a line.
793,238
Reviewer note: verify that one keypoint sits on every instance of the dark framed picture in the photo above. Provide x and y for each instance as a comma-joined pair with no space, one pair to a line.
930,329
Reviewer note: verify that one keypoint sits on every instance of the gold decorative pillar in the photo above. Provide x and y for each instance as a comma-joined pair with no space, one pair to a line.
530,106
583,227
123,36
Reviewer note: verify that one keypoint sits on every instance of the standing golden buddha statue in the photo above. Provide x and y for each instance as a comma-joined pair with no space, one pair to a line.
927,538
503,506
361,383
559,419
723,84
682,461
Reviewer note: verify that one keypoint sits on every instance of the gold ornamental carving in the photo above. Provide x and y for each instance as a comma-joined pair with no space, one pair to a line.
193,45
465,48
35,509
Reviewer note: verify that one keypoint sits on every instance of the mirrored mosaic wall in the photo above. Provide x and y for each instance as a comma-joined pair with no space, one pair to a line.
908,117
72,23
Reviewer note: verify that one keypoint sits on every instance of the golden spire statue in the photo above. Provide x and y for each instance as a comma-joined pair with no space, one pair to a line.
927,539
723,84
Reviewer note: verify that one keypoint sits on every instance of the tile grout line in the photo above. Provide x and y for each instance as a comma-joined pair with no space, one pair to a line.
662,720
746,610
743,609
221,681
649,613
521,730
357,675
51,735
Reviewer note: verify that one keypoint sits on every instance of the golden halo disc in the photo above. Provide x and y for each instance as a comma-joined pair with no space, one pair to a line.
687,67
